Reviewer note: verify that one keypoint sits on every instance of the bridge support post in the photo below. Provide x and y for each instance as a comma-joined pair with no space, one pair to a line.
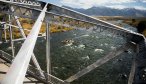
11,37
17,71
5,32
1,34
133,66
24,36
48,58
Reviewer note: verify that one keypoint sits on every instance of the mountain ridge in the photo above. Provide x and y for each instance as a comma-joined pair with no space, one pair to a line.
106,11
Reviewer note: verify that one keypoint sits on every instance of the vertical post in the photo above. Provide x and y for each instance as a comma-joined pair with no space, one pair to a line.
48,48
24,36
5,32
18,69
0,34
11,37
131,75
132,72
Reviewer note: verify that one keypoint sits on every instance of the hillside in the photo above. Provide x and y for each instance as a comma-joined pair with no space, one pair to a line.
105,11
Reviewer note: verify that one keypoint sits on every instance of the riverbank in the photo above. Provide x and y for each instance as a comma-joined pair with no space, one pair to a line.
27,25
133,21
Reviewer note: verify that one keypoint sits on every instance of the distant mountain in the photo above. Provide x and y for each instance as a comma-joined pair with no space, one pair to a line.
105,11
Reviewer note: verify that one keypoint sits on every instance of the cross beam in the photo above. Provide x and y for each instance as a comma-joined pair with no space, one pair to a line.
53,10
18,69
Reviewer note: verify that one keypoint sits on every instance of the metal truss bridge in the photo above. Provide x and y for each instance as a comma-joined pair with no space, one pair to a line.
22,71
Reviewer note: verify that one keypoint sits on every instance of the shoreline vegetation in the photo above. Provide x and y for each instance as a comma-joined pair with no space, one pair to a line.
132,21
27,24
137,22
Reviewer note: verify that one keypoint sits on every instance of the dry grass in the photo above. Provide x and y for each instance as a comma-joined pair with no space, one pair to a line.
27,24
133,21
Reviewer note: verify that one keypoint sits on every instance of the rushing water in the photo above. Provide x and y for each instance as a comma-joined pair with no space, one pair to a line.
74,50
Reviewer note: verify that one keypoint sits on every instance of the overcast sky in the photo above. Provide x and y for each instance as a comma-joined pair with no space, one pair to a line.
138,4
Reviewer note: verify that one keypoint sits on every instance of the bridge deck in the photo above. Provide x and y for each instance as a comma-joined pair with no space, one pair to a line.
5,67
32,76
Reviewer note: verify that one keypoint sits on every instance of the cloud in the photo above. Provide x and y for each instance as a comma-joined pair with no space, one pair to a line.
144,1
78,3
122,7
117,4
90,3
140,7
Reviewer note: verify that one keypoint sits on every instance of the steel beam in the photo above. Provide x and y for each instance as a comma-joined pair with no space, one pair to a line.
133,66
30,82
11,37
32,72
48,58
33,3
63,12
24,36
132,72
0,36
17,71
5,32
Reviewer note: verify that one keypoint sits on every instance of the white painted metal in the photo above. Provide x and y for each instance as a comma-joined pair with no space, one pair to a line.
17,71
5,33
48,49
24,36
73,14
0,36
23,2
84,17
133,67
132,73
11,37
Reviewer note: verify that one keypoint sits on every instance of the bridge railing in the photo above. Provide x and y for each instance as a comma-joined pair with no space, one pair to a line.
60,12
17,71
33,72
54,11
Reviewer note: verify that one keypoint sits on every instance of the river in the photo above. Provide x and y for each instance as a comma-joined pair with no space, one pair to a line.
74,50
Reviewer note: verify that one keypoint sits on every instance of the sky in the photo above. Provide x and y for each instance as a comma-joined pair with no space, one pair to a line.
117,4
